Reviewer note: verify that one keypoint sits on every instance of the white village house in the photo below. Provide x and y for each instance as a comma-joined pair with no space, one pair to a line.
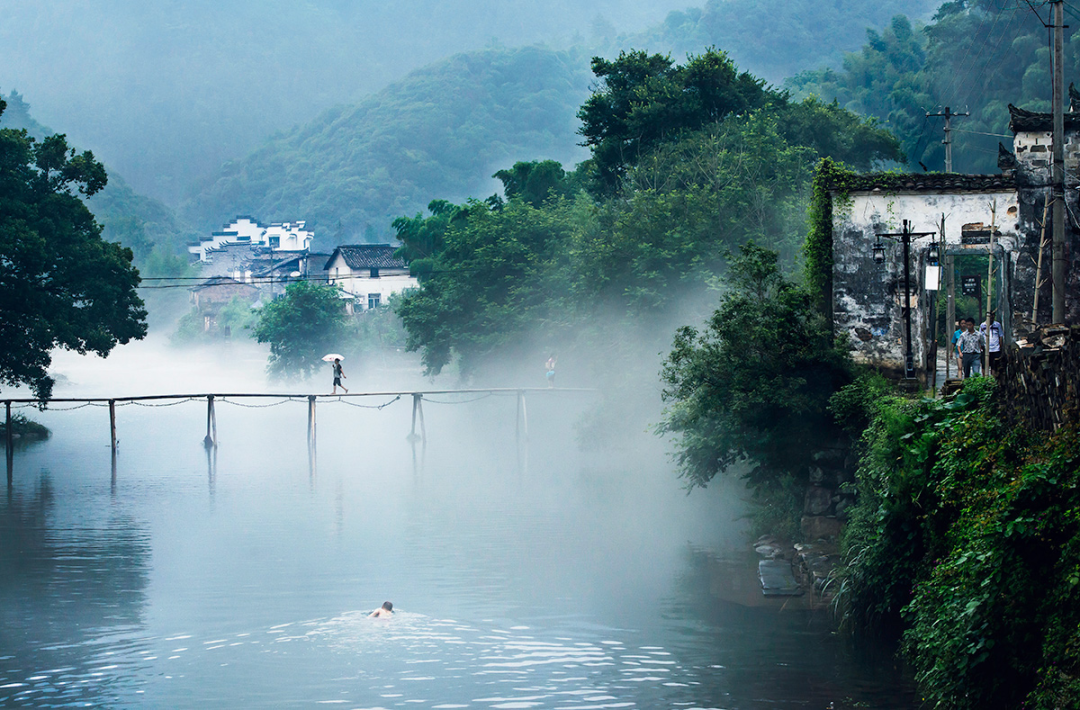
368,274
247,232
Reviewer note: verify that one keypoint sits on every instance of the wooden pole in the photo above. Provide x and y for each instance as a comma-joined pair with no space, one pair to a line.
990,289
1038,266
9,435
211,428
311,421
9,441
524,418
112,426
1057,268
415,407
420,409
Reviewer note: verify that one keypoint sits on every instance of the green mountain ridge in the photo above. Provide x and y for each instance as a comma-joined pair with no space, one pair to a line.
441,131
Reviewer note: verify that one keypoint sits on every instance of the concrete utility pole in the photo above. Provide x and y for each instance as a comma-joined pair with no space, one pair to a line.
905,238
948,115
1058,176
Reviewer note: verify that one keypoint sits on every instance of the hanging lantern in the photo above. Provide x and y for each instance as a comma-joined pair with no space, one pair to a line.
932,255
879,253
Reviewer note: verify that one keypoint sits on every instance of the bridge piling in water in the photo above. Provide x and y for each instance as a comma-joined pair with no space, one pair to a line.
9,442
112,427
311,422
211,423
418,408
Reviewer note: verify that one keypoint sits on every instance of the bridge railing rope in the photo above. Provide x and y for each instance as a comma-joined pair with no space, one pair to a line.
521,422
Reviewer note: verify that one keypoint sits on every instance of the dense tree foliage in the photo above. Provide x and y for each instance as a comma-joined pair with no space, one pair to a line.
548,261
646,100
976,56
301,327
61,284
754,385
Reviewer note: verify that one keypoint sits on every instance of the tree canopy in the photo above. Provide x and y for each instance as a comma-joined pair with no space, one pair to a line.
301,327
754,384
61,284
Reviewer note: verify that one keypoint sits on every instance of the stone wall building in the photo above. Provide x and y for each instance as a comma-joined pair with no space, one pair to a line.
867,296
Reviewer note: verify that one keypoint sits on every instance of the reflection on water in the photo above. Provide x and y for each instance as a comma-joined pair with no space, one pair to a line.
237,577
72,587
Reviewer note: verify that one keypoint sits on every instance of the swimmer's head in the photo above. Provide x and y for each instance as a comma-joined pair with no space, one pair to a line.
388,606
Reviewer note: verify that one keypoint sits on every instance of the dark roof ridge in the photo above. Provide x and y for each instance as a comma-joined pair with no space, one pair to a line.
923,182
1021,120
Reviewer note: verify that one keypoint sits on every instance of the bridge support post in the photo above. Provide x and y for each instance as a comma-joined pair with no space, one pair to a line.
211,423
418,410
521,418
311,421
112,427
9,442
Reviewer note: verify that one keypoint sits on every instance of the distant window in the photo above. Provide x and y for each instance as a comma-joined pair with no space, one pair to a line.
372,300
275,242
375,273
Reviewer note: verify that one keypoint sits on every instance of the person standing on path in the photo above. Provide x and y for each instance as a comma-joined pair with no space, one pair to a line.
993,339
338,374
970,346
549,366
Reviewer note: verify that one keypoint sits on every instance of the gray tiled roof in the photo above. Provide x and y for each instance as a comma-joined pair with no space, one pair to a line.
368,256
926,182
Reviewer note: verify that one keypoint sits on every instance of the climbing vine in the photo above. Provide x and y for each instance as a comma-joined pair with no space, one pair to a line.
832,183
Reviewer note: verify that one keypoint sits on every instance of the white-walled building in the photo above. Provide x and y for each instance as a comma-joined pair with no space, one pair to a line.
247,232
370,273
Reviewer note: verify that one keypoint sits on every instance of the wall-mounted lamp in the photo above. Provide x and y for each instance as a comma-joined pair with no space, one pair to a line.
932,255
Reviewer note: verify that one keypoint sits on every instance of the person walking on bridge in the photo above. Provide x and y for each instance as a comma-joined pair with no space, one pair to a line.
338,374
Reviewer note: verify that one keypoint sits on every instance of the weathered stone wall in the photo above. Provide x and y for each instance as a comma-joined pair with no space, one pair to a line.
1040,378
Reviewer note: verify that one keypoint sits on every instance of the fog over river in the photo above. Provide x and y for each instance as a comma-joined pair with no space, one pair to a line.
542,576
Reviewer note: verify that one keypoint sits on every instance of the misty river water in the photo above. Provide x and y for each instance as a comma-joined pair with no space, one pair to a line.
544,576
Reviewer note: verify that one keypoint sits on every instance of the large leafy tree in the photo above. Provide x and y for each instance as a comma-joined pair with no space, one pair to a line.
301,327
755,384
61,284
646,98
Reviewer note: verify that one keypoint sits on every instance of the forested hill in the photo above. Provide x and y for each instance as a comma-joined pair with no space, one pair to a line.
443,130
440,132
146,225
975,56
774,39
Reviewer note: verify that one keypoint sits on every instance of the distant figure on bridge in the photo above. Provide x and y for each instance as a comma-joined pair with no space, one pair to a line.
550,367
338,374
383,612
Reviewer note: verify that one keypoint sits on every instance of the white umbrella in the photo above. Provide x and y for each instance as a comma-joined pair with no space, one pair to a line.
332,356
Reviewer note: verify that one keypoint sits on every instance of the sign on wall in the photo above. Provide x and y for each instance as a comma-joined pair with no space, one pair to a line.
971,286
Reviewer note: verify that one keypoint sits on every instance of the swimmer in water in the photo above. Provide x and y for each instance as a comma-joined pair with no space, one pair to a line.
385,611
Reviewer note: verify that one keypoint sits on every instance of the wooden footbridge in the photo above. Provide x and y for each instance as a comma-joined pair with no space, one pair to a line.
210,441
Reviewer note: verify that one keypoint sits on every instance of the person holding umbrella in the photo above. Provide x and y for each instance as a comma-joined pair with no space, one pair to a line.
338,372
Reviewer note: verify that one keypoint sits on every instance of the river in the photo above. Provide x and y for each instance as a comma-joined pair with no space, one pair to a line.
538,575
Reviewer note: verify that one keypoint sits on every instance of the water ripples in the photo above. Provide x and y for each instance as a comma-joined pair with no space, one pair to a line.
408,661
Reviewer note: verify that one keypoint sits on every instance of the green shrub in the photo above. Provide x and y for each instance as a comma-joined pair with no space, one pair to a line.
966,539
